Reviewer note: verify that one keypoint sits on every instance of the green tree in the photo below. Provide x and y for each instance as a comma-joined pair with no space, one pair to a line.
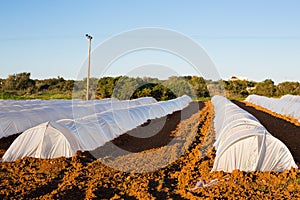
155,90
198,85
106,87
179,86
265,88
19,81
288,88
238,88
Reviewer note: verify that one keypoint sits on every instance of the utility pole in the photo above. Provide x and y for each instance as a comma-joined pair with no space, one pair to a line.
89,66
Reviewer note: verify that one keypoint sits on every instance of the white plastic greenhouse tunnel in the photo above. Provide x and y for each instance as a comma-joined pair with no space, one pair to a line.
66,135
243,143
47,140
288,105
27,114
292,98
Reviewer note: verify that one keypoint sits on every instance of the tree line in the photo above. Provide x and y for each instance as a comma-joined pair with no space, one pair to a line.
21,86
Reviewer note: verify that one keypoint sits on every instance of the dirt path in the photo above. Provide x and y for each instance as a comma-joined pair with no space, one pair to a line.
153,134
285,131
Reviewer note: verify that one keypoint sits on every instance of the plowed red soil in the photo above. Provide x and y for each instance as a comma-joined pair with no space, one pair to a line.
169,164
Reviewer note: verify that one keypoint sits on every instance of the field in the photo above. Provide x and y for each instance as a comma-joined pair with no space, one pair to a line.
190,130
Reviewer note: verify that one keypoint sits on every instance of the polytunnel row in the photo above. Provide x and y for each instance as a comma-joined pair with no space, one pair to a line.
115,122
66,136
292,98
12,105
243,143
37,102
24,105
288,105
36,112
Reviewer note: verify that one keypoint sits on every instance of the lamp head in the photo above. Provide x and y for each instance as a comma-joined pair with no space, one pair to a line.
88,36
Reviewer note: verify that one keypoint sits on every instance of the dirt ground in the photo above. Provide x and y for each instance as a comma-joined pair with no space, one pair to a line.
165,165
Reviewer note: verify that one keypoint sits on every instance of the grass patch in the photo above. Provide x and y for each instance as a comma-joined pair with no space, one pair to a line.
42,96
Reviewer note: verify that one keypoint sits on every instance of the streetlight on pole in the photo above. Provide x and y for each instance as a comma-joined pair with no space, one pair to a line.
89,65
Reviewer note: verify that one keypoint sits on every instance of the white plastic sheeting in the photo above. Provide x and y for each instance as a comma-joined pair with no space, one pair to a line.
287,105
48,140
27,114
243,143
95,130
289,97
89,132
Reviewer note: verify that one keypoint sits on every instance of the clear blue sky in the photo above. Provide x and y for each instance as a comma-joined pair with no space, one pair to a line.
255,39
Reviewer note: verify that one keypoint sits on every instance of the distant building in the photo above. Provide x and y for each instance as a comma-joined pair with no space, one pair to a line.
235,78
